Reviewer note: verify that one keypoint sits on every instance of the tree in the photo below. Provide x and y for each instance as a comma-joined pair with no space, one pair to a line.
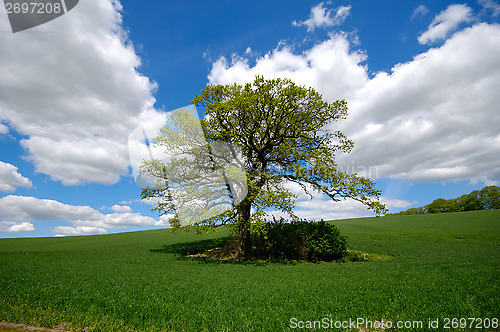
277,133
490,197
473,203
437,206
469,202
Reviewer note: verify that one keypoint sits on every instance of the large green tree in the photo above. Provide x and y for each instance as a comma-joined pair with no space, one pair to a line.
276,132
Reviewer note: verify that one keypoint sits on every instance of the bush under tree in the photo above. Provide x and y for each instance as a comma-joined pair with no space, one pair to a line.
281,240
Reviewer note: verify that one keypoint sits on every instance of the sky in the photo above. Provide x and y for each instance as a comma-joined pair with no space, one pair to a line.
421,79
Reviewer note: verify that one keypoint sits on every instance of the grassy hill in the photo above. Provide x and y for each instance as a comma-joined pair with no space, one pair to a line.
442,266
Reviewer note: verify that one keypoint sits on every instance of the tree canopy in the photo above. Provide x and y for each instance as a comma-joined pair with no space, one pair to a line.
487,198
258,138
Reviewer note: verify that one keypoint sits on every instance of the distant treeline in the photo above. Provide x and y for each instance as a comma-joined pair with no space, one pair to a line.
487,198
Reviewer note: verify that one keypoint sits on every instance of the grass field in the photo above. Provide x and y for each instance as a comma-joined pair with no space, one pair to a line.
442,266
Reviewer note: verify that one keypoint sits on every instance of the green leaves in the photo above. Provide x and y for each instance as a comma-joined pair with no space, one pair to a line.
299,239
487,198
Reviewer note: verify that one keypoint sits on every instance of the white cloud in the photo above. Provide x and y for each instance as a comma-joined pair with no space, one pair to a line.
24,208
85,219
491,5
433,118
482,179
13,227
445,23
322,17
419,11
80,230
10,179
331,66
319,206
164,220
121,208
77,94
127,219
299,192
4,129
396,203
330,210
322,208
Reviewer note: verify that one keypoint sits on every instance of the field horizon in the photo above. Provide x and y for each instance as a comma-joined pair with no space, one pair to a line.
442,266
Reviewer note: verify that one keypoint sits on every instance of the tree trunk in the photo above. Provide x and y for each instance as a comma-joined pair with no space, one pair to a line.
244,239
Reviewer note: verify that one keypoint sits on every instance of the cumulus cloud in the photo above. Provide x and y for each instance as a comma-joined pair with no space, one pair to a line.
431,119
72,87
13,227
332,67
10,179
434,118
445,23
322,17
86,220
121,208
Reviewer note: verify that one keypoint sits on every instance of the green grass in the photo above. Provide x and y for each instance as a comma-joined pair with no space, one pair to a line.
442,266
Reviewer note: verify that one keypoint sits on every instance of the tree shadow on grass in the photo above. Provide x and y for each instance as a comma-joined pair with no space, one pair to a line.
187,251
199,251
191,248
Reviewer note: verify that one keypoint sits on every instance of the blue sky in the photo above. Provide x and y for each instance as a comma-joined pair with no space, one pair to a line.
421,79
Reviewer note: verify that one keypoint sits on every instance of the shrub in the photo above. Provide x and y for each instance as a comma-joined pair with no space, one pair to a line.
298,239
